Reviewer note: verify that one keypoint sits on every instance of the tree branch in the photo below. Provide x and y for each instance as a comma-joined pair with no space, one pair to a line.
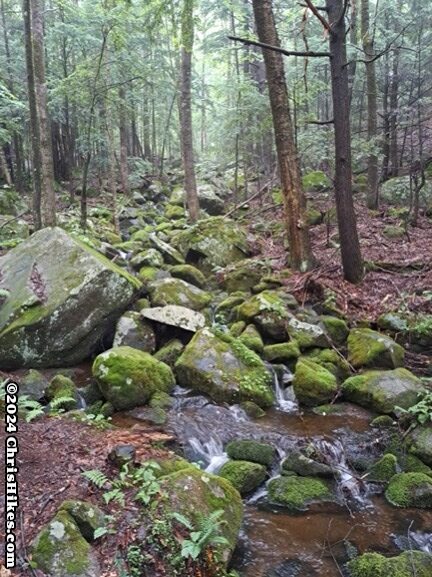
321,18
281,50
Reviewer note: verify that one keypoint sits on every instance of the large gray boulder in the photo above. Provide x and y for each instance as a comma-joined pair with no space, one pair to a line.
58,299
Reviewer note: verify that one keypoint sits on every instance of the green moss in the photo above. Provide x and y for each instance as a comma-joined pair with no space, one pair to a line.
237,328
332,361
264,302
189,274
368,348
174,212
382,422
392,231
171,465
412,464
170,352
148,274
336,328
313,384
128,377
410,490
315,181
252,339
282,352
243,475
87,516
297,493
407,564
384,469
174,291
61,387
253,451
252,410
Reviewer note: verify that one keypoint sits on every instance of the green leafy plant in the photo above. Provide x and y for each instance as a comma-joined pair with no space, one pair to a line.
421,412
205,533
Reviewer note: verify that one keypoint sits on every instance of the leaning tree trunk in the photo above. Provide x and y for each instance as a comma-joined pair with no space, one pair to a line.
301,257
371,88
350,245
48,200
186,134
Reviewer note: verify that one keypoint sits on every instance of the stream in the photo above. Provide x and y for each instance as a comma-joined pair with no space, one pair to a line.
273,542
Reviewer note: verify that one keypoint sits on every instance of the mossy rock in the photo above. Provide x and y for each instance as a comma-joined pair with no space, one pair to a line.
225,369
237,328
313,384
412,464
330,360
383,469
33,384
243,475
410,490
188,273
420,443
393,322
128,377
393,232
134,331
368,348
194,493
60,550
337,329
252,410
305,466
87,516
383,422
307,335
150,257
316,181
252,339
282,352
407,564
171,255
148,274
62,387
298,493
161,400
253,451
151,415
174,291
174,212
57,310
243,275
173,464
383,391
170,353
268,310
313,216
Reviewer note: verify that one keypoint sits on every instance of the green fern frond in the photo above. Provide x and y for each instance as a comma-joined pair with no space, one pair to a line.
96,477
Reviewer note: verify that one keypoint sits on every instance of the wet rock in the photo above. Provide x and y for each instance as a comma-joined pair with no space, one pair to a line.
243,475
225,369
161,400
128,378
133,331
253,451
122,455
383,391
367,348
151,415
188,273
313,384
407,564
60,550
410,490
33,384
292,568
420,443
87,516
298,493
252,410
304,466
176,316
62,298
194,493
174,291
383,469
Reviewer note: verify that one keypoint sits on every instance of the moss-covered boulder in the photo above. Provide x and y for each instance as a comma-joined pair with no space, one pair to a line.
330,360
336,328
393,232
208,196
243,275
170,254
282,352
316,181
170,353
225,369
174,212
196,494
268,310
307,335
62,387
175,316
134,331
188,273
253,451
87,516
60,550
243,475
393,322
128,377
410,490
407,564
383,391
150,257
298,493
420,443
383,469
213,242
313,384
252,339
368,348
59,299
33,384
174,291
299,463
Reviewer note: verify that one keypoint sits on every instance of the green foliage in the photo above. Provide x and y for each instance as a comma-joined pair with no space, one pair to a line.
421,412
202,535
96,477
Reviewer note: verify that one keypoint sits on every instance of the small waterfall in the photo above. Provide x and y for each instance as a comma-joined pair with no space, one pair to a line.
211,453
332,453
284,392
82,404
415,540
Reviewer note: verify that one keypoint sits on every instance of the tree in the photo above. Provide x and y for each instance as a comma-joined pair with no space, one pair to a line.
301,257
185,106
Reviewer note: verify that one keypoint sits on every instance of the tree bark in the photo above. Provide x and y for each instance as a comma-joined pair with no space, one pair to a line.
124,172
186,134
350,245
48,199
301,257
371,88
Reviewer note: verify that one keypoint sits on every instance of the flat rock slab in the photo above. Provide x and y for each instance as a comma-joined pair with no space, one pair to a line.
176,316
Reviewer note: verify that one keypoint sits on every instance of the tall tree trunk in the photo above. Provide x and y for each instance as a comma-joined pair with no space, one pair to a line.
394,114
124,172
301,257
350,245
48,199
371,87
185,104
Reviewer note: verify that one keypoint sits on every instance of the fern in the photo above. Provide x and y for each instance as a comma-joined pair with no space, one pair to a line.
115,495
61,401
96,477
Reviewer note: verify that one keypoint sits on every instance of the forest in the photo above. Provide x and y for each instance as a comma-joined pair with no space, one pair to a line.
216,288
